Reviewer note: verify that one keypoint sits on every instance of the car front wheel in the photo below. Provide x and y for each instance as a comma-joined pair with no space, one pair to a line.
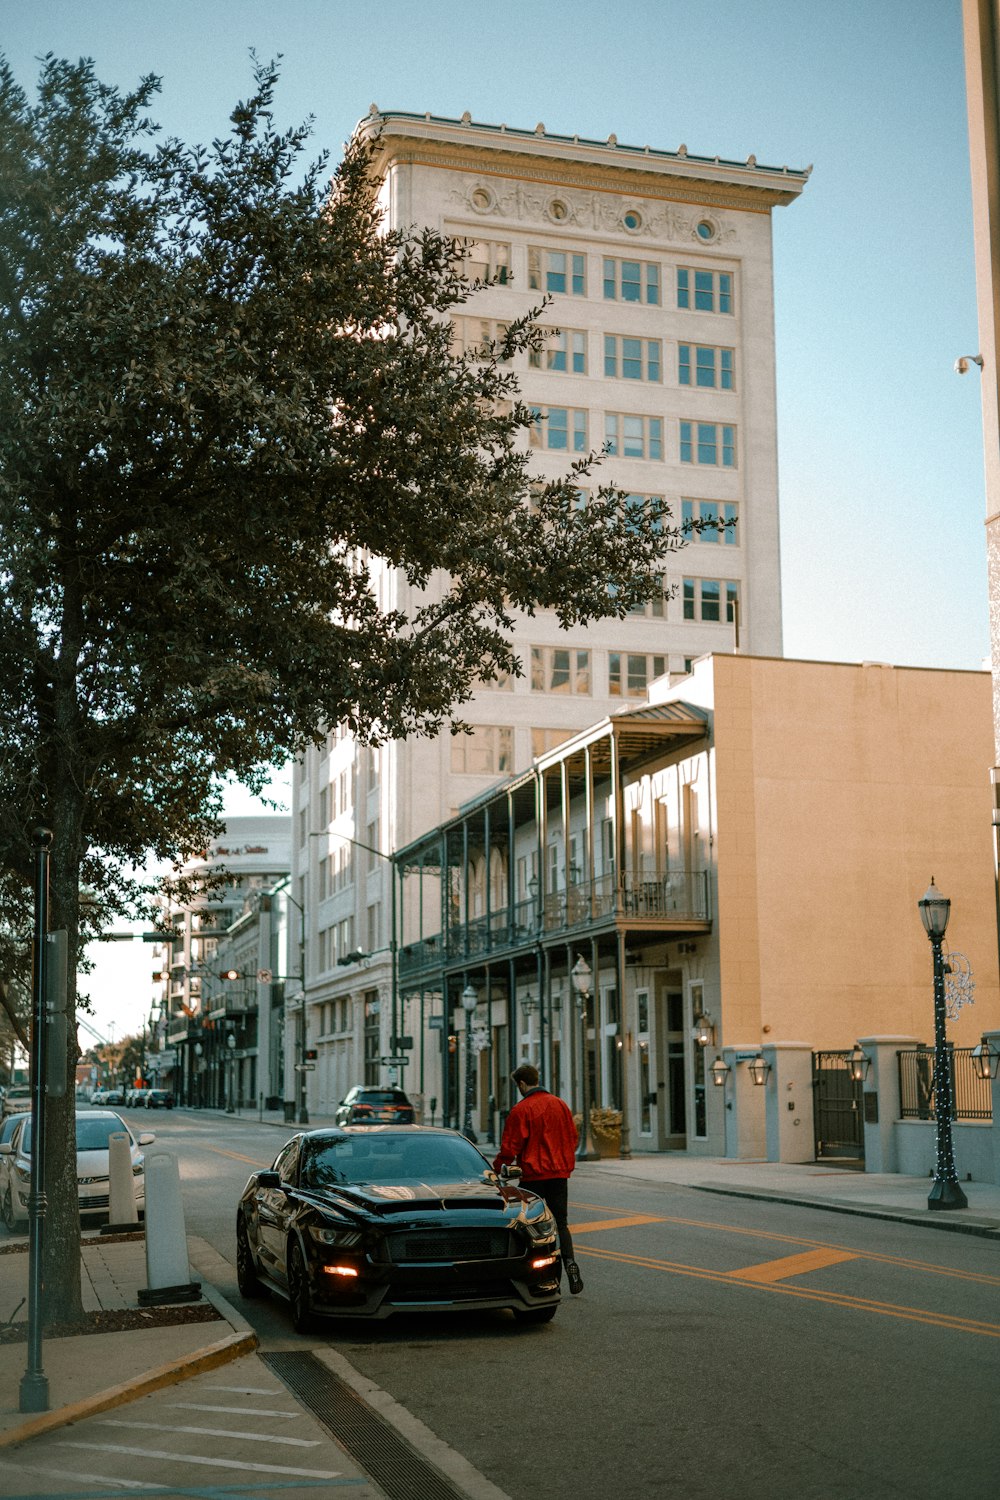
298,1289
247,1280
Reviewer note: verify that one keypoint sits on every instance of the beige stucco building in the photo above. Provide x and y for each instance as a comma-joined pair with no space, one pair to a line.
659,268
738,863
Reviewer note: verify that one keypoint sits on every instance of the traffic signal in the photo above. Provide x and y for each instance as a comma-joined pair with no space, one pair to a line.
311,1054
230,974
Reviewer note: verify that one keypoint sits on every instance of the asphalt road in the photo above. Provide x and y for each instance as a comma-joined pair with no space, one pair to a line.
722,1347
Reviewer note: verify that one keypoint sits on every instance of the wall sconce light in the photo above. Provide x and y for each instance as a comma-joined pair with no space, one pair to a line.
858,1064
720,1072
985,1062
704,1031
759,1070
528,1004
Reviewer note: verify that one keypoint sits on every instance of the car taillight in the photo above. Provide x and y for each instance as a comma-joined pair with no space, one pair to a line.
362,1109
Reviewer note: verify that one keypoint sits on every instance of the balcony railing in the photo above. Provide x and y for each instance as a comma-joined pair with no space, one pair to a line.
674,899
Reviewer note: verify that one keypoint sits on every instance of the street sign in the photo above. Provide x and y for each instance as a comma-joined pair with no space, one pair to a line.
394,1062
264,976
403,1043
305,1067
435,1023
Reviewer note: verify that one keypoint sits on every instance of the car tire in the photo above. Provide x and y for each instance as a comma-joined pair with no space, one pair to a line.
536,1314
247,1280
298,1289
7,1211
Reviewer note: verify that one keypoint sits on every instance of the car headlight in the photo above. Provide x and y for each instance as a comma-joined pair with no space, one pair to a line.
23,1174
541,1226
341,1237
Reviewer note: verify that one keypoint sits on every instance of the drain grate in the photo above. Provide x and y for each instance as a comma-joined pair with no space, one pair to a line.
400,1471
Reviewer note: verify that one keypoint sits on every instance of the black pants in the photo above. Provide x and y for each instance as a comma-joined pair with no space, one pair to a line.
555,1192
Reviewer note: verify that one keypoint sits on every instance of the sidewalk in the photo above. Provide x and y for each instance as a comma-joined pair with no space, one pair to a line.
94,1372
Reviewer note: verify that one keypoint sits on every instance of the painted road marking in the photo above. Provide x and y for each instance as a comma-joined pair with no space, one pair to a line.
211,1463
233,1155
792,1265
836,1299
223,1432
236,1411
927,1266
576,1229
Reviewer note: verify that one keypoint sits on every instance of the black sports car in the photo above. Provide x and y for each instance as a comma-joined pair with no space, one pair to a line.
366,1221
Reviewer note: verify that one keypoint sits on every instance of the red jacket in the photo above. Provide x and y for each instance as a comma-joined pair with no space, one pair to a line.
539,1134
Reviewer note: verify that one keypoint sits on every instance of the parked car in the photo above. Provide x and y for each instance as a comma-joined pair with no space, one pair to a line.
366,1222
17,1099
114,1096
93,1187
8,1125
158,1099
371,1104
139,1099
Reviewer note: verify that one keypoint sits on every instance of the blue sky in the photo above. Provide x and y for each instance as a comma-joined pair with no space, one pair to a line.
880,443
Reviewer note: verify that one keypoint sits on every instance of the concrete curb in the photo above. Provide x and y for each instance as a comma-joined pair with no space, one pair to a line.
196,1363
989,1231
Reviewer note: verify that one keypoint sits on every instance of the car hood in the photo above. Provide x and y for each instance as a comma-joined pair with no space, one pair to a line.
382,1199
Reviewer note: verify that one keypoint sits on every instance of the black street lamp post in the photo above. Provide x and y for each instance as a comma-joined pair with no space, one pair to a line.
582,975
469,1002
946,1192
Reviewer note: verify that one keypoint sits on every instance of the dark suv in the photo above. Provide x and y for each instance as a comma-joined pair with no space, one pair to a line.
159,1099
370,1104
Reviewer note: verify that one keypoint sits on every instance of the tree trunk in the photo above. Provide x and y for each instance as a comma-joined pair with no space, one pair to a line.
61,1232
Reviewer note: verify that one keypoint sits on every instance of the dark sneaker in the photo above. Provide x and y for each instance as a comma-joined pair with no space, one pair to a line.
574,1278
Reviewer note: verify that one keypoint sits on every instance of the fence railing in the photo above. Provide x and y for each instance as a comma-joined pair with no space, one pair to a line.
971,1094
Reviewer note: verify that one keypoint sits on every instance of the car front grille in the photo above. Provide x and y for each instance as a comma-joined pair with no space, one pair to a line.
99,1200
450,1244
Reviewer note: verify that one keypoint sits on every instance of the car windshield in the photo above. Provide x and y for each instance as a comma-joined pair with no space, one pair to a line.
375,1096
91,1134
389,1159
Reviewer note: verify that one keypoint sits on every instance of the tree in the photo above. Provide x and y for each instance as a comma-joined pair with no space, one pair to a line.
223,388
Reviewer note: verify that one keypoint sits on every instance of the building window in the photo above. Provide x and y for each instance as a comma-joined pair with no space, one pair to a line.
486,260
720,517
633,437
706,598
559,428
708,443
559,669
705,366
557,271
631,281
564,351
704,291
543,740
487,751
629,674
476,337
632,359
324,879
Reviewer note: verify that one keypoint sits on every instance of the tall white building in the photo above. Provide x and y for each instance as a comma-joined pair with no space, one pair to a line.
659,266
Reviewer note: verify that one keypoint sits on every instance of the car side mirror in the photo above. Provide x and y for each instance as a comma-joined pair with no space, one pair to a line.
268,1180
147,1138
6,1149
510,1173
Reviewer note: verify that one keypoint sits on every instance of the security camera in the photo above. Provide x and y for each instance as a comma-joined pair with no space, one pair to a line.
965,360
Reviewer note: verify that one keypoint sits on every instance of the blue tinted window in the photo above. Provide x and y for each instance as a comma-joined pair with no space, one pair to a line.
683,289
687,454
705,364
707,451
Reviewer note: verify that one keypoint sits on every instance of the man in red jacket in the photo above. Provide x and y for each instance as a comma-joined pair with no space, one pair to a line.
540,1134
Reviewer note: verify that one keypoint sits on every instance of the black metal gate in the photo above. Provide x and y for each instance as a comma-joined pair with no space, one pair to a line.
838,1110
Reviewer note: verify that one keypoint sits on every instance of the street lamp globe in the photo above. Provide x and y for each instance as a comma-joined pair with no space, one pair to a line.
581,975
470,998
934,912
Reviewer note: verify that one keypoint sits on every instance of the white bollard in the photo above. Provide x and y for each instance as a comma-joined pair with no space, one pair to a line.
121,1186
167,1268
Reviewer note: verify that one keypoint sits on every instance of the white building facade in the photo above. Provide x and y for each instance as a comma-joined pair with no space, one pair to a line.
659,269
